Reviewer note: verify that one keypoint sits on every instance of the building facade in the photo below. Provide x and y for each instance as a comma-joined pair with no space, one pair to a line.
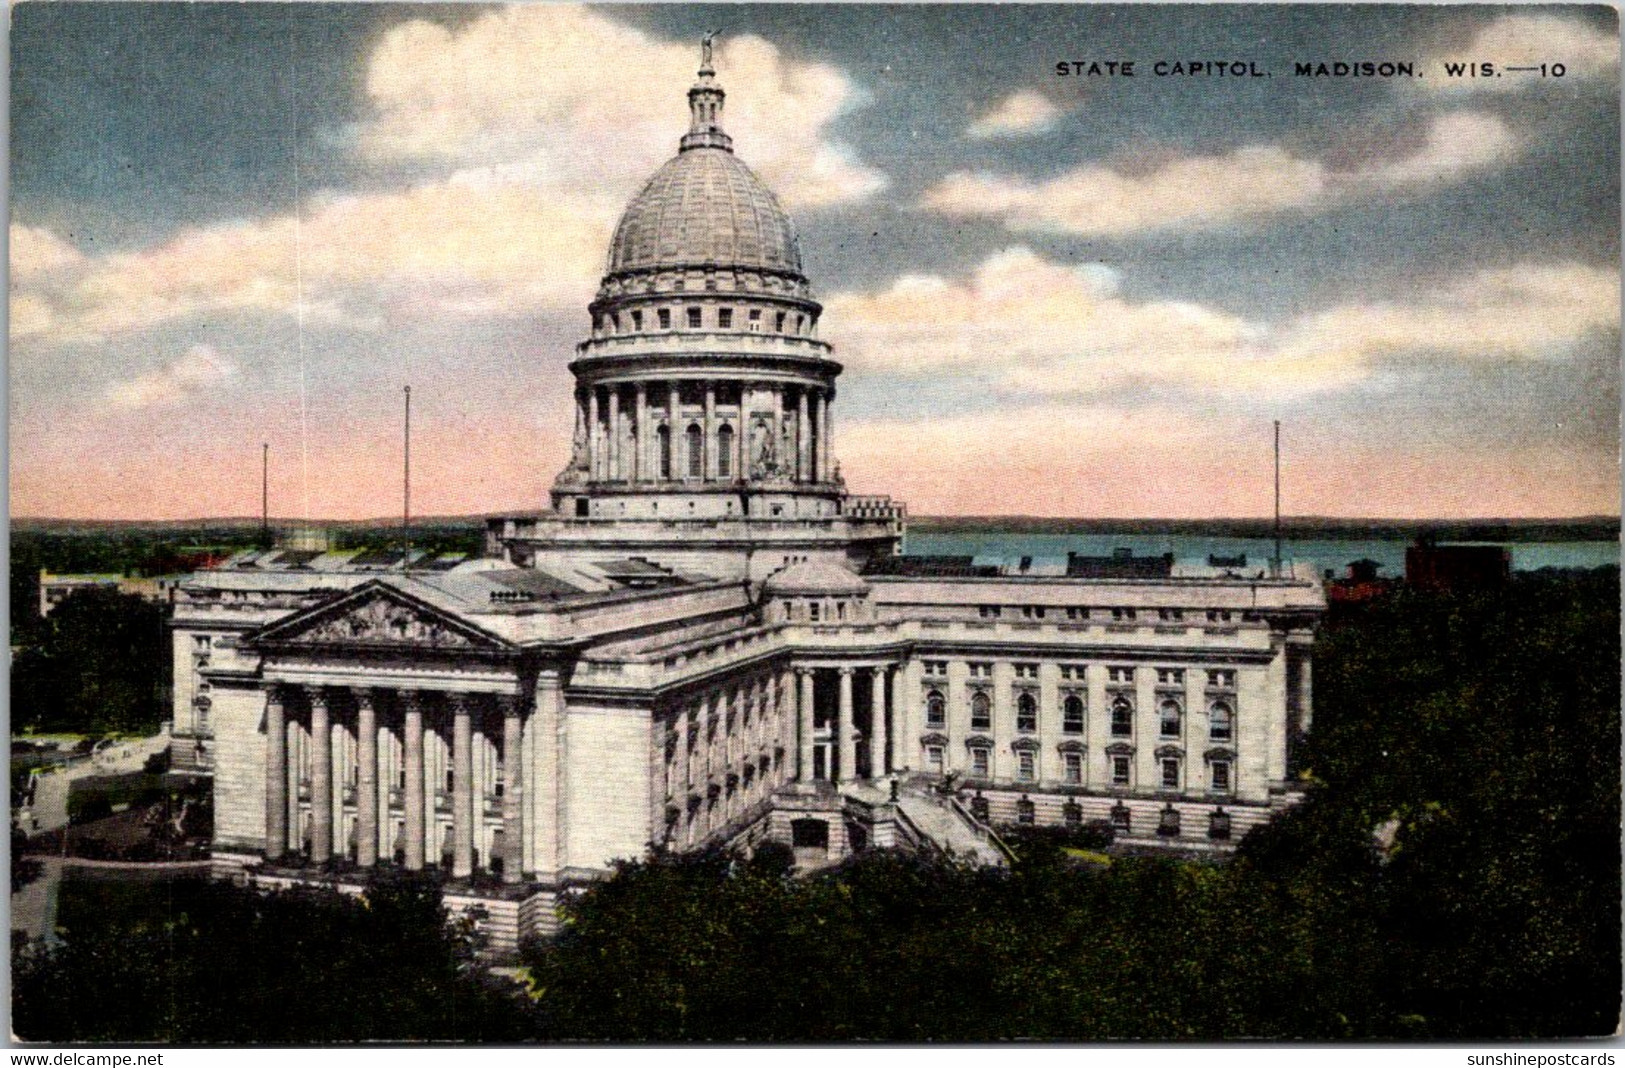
708,640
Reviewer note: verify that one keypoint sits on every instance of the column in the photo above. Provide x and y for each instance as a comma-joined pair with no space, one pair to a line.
775,427
615,469
640,458
803,439
674,434
826,439
592,433
710,449
366,796
900,720
412,742
846,740
545,828
1275,753
513,792
276,775
805,711
742,435
386,776
321,778
462,787
878,765
1306,690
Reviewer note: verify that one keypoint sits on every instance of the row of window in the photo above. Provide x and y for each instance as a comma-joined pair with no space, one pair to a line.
1170,769
1117,615
1168,820
1221,715
1217,679
694,317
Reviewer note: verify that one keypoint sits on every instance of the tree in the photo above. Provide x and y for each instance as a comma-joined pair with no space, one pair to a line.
101,664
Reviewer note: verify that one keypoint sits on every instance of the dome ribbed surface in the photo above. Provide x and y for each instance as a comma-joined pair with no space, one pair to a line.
705,207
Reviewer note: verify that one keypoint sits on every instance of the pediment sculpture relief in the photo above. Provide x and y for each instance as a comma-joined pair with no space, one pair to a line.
381,621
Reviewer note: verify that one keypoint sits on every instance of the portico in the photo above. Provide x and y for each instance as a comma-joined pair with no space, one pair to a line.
423,777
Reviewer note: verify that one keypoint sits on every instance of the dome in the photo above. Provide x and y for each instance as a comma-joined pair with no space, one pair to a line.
705,207
814,578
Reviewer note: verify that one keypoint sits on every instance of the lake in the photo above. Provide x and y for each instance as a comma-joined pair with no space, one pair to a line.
1333,554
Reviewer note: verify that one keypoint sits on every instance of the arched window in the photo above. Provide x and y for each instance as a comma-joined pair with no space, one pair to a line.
936,710
725,452
1026,713
1072,714
1122,716
981,712
696,451
1220,722
663,444
1168,719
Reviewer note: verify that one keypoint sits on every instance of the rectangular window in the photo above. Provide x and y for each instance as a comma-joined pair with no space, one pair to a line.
989,611
1170,615
1170,676
201,643
693,318
936,668
665,318
1026,671
1026,769
1220,776
1120,674
1123,614
1119,771
725,318
778,323
1222,679
981,671
1077,613
1027,714
1170,774
979,762
933,757
1122,718
756,320
1218,615
637,320
1072,714
1073,763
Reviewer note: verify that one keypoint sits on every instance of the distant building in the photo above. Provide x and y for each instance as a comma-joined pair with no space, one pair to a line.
1457,568
1360,583
54,589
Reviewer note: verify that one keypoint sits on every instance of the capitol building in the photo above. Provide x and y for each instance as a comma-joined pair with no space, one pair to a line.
706,640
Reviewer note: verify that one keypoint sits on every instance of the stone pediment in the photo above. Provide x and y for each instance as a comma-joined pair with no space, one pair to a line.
378,616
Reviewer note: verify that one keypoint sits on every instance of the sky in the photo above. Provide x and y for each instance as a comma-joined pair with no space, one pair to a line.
1053,295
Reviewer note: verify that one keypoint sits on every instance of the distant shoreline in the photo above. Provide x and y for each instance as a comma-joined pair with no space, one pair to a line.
1293,528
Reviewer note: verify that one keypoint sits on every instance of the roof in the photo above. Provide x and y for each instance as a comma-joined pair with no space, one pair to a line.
814,577
705,207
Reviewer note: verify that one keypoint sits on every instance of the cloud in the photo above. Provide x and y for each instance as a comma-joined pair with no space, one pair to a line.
571,95
534,132
198,369
1206,192
1018,115
1527,40
36,252
1028,326
453,248
1524,312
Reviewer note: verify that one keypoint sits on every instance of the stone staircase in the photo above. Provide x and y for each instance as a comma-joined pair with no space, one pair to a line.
948,829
